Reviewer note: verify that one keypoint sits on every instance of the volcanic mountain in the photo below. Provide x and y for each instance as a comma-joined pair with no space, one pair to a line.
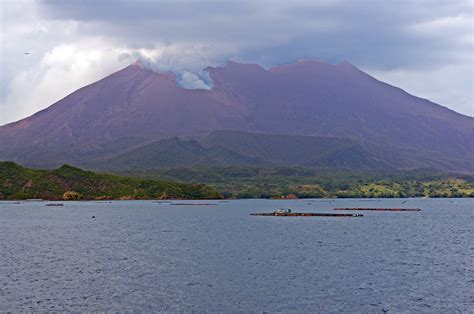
307,104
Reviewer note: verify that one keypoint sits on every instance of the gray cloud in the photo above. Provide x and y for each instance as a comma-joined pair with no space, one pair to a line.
366,32
137,11
400,41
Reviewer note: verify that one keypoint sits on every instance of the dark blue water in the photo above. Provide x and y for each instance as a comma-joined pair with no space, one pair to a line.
148,256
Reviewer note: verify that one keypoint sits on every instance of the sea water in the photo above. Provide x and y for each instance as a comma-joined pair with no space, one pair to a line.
162,256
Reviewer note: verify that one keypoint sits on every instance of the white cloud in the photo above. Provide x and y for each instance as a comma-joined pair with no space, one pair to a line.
459,22
61,71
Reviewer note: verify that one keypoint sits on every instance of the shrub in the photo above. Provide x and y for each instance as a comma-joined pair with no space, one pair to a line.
71,196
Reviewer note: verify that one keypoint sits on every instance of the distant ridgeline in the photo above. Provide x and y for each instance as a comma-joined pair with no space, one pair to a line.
66,182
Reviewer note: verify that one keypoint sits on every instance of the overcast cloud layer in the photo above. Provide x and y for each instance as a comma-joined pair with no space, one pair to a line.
51,48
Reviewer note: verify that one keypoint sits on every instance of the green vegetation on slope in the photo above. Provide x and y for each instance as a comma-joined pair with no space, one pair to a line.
17,182
277,182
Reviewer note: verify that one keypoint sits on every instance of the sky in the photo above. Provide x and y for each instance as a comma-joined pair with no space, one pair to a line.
49,49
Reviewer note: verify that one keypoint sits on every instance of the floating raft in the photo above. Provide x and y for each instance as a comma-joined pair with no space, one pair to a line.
382,209
54,204
307,215
193,204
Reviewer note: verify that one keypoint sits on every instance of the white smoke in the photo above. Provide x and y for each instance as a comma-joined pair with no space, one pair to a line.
191,80
188,67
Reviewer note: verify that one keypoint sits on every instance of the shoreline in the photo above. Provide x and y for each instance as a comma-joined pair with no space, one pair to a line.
226,199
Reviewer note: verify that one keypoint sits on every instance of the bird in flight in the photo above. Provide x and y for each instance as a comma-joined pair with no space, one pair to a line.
26,53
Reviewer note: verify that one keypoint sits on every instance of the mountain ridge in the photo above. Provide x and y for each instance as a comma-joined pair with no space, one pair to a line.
234,148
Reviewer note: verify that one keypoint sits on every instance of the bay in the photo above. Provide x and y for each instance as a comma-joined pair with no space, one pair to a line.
159,256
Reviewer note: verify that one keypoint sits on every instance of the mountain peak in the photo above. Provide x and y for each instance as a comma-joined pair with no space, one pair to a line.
237,66
347,65
138,64
135,66
302,64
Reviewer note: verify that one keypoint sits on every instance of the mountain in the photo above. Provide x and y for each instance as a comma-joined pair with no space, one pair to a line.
17,182
136,106
296,150
235,148
173,153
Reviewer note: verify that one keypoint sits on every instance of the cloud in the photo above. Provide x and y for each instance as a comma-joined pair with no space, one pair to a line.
451,86
73,43
59,72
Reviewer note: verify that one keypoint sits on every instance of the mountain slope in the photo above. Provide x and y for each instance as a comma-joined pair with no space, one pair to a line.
296,150
136,106
172,153
233,148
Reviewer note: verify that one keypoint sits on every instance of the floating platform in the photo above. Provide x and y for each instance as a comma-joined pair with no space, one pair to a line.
306,215
54,204
382,209
194,204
